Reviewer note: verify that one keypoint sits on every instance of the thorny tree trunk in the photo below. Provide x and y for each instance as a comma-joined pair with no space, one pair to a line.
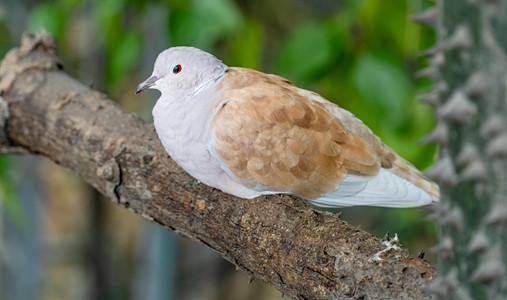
470,96
306,254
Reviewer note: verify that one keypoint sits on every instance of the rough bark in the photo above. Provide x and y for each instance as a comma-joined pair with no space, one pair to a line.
305,253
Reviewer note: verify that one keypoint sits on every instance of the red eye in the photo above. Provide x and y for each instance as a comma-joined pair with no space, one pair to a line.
177,69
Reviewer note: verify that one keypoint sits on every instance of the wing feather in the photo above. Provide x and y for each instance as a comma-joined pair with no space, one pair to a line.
270,137
274,137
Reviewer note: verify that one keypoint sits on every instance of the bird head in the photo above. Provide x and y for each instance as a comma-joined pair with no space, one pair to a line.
183,70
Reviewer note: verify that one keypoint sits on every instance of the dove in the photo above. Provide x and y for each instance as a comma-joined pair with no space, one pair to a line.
249,133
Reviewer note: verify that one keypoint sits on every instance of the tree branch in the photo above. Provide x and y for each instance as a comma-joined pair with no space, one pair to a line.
306,254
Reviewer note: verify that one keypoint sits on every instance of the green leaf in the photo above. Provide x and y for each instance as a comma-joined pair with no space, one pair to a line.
306,51
48,17
384,86
124,56
8,197
204,22
246,46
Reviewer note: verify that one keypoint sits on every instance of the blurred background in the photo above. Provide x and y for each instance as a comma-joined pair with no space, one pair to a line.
59,239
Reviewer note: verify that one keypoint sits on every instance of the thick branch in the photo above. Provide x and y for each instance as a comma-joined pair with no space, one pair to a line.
307,254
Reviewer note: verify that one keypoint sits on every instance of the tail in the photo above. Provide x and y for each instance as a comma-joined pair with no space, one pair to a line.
397,184
386,189
407,171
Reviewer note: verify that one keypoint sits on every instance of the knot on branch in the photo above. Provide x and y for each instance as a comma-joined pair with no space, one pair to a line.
111,174
37,51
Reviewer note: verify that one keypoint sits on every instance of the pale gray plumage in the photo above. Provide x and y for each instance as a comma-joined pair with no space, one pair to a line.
248,134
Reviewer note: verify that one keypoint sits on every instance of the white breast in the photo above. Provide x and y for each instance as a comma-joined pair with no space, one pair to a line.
183,127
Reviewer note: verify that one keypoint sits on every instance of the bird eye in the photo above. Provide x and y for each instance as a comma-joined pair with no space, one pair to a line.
177,69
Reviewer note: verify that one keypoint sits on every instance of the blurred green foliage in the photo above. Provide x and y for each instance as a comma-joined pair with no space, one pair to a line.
202,23
361,54
8,197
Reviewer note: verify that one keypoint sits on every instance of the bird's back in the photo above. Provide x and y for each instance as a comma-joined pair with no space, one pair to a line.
321,151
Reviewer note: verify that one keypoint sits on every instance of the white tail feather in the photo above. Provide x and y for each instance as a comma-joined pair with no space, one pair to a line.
385,189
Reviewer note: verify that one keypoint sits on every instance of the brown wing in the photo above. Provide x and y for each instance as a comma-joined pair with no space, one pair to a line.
389,159
271,137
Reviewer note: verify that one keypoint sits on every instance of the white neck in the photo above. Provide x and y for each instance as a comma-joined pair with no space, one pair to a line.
205,85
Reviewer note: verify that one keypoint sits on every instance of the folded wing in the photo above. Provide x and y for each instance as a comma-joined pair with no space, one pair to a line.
273,137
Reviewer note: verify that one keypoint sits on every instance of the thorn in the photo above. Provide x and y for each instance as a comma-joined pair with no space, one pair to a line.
497,214
431,98
460,40
439,135
251,280
476,85
490,269
444,248
474,171
451,278
438,60
430,72
443,171
493,126
453,218
438,211
421,254
441,286
438,287
458,108
441,208
498,146
441,88
462,294
430,51
478,243
467,154
428,17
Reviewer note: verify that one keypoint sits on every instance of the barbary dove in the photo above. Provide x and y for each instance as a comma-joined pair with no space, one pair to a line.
249,133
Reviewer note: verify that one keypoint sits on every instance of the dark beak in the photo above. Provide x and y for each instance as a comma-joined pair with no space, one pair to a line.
146,84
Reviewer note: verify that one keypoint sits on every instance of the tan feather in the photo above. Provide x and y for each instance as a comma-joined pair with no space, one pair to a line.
287,142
